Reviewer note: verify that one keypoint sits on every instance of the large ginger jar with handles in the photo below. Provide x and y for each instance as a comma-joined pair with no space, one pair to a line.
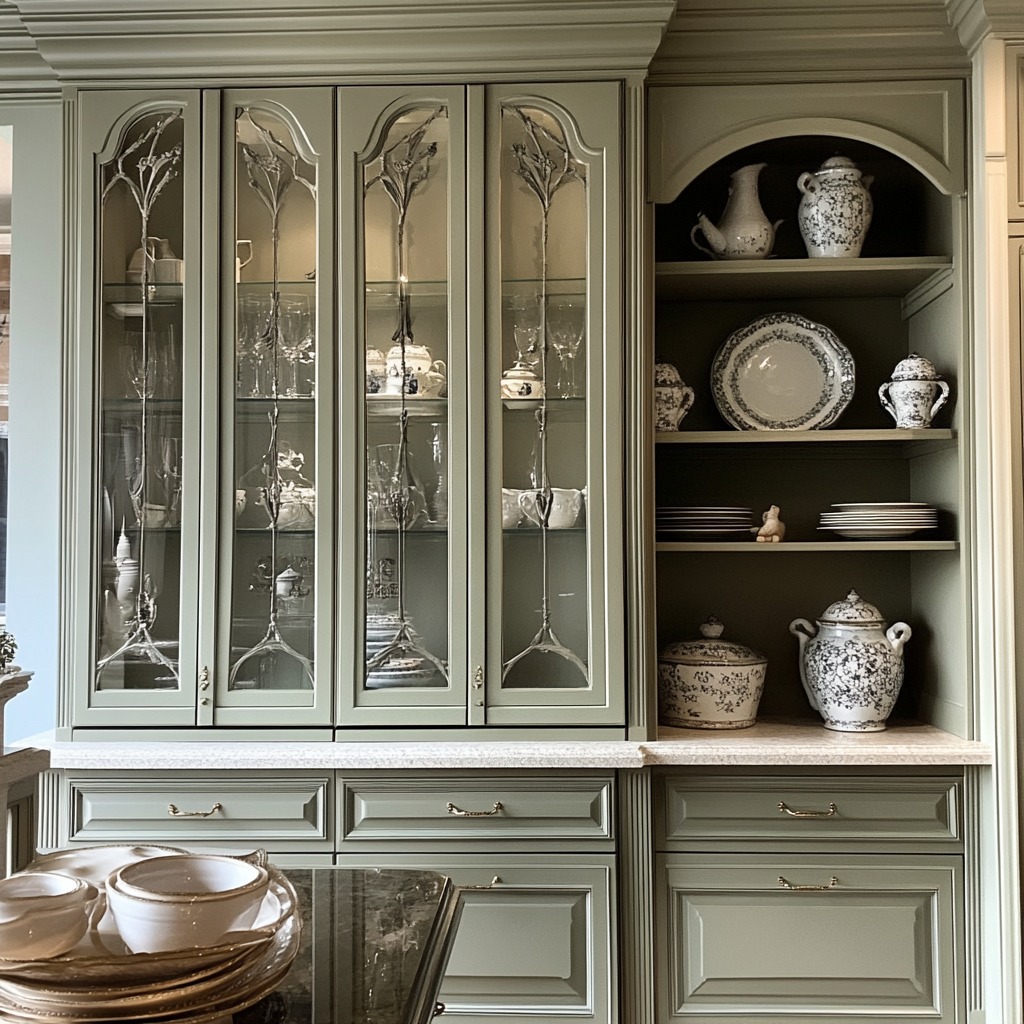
851,664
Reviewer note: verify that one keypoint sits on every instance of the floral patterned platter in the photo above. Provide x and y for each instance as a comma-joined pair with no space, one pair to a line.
782,372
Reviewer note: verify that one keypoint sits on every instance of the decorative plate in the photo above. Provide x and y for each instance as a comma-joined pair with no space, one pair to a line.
782,372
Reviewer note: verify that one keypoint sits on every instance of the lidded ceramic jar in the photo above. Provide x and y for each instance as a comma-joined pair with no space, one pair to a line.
709,683
673,398
851,665
835,208
915,393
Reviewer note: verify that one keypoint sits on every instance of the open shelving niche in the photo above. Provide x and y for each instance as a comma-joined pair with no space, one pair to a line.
902,295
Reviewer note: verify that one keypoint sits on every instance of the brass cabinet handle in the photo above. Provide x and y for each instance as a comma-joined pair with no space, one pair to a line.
460,813
833,882
807,814
439,1008
173,811
204,678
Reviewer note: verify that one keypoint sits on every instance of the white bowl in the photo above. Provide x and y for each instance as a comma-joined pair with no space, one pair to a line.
33,891
45,914
184,902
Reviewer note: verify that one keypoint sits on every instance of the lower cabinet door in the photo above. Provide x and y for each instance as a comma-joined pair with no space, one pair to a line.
813,938
535,941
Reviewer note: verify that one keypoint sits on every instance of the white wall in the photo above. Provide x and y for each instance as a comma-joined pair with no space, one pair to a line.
33,518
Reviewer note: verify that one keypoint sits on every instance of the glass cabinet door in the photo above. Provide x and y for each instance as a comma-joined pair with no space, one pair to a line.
276,273
139,159
402,169
553,388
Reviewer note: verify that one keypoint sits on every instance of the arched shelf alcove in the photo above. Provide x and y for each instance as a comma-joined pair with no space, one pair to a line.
912,214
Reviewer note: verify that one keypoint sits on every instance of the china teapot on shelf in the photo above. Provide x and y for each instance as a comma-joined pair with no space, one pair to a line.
851,664
744,232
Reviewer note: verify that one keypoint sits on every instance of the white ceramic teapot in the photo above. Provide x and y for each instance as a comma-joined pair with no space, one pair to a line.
851,665
418,361
744,232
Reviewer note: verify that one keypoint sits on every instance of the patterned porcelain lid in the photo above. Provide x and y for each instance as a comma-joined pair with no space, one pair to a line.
838,164
853,609
915,367
665,375
710,650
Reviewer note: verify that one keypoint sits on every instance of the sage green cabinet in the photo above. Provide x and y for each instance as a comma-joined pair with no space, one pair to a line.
283,812
815,895
820,938
904,294
413,292
1015,131
536,940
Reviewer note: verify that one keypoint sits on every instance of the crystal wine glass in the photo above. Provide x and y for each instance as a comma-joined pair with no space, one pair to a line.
566,323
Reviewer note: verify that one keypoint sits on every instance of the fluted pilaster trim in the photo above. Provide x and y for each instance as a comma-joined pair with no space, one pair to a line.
636,902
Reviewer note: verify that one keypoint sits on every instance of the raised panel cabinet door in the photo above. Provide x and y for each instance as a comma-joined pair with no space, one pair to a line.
535,941
135,368
275,445
552,394
813,938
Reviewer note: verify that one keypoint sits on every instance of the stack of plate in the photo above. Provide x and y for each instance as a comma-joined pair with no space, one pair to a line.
400,668
99,980
699,522
879,520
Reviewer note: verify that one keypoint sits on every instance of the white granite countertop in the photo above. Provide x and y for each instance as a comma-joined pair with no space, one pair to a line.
796,742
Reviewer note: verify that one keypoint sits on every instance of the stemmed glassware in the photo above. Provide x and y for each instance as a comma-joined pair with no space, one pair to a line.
566,320
296,339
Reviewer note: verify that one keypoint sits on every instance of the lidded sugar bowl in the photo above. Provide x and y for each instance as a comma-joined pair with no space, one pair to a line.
851,664
672,397
709,683
915,393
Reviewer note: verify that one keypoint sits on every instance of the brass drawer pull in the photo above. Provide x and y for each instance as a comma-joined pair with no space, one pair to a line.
833,882
460,813
807,814
173,811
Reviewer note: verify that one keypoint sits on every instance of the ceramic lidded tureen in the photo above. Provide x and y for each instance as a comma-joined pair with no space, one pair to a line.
851,665
709,683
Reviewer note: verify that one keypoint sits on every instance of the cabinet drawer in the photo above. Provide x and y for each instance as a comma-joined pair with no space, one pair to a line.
888,809
427,811
274,810
861,938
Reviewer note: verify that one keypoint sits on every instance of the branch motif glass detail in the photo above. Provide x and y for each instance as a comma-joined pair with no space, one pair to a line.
287,498
396,654
544,162
143,168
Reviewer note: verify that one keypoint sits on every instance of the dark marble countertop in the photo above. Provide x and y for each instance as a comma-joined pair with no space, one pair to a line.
373,950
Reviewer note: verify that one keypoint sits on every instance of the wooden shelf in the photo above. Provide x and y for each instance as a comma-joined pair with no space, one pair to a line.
745,547
884,435
797,278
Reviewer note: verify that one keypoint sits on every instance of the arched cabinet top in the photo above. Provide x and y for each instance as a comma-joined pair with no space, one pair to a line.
691,127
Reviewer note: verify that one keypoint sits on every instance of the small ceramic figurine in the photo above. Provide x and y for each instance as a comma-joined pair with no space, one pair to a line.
773,530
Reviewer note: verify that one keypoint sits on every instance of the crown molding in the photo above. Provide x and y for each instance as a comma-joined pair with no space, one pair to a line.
22,69
749,40
345,40
975,20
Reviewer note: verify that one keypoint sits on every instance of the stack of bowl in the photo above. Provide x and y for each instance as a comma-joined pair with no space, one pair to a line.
145,933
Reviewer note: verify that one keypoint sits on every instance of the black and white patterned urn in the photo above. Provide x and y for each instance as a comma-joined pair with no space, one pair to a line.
851,665
915,393
835,208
